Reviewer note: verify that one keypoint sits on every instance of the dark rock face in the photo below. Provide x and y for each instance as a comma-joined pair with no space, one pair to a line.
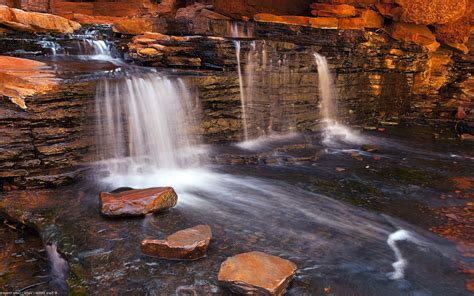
187,244
137,202
257,273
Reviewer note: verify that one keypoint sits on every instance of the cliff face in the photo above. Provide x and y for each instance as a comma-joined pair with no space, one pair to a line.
385,70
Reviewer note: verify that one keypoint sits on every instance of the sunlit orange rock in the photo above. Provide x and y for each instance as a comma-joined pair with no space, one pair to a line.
133,26
324,22
411,33
187,244
20,78
288,19
238,8
137,202
256,273
430,12
456,34
94,19
372,19
331,10
25,21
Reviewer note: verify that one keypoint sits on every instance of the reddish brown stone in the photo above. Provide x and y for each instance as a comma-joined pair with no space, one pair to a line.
324,22
329,10
137,202
20,78
133,26
430,12
287,19
256,273
411,33
238,8
24,21
187,244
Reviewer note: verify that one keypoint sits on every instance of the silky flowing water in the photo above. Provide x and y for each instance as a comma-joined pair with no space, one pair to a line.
347,223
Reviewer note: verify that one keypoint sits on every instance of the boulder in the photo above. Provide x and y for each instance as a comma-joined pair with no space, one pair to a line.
187,244
256,273
94,19
33,22
456,34
137,202
190,12
330,10
431,12
411,33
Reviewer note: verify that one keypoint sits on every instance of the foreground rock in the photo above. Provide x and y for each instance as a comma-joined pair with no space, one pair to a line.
32,22
137,202
257,273
187,244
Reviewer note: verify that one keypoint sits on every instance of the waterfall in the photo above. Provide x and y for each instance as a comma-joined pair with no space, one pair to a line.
328,109
243,100
146,122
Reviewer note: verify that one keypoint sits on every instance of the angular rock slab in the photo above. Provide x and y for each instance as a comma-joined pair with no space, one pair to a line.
137,202
257,273
187,244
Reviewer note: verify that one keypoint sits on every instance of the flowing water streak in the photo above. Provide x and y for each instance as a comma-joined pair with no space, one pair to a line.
146,122
243,101
328,107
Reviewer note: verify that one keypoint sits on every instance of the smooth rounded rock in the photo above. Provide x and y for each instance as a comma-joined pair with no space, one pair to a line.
256,273
187,244
137,202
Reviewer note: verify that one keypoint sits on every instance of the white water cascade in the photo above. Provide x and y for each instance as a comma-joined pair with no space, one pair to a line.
329,114
146,122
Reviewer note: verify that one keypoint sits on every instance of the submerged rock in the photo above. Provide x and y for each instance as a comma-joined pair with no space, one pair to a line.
137,202
187,244
256,273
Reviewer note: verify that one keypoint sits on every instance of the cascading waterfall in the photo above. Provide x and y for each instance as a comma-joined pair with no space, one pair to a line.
328,106
146,122
243,100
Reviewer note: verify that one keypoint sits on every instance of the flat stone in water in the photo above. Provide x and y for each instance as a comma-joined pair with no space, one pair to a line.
256,273
137,202
187,244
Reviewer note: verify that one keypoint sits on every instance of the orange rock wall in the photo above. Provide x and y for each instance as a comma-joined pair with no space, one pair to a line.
239,8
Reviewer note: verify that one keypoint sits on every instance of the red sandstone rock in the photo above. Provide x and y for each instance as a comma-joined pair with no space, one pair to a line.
324,22
456,34
24,21
238,8
133,26
372,19
429,12
187,244
256,273
94,19
20,78
190,12
288,19
137,202
329,10
418,34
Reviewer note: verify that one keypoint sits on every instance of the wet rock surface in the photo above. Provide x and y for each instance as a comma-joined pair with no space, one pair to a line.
245,218
256,273
187,244
137,202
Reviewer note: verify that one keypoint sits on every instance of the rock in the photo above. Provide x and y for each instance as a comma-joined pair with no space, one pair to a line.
156,36
20,78
324,22
212,15
183,61
460,114
355,23
456,34
372,19
137,202
94,19
133,26
369,148
330,10
33,22
187,244
430,12
239,8
288,20
149,52
411,33
256,273
190,12
389,10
